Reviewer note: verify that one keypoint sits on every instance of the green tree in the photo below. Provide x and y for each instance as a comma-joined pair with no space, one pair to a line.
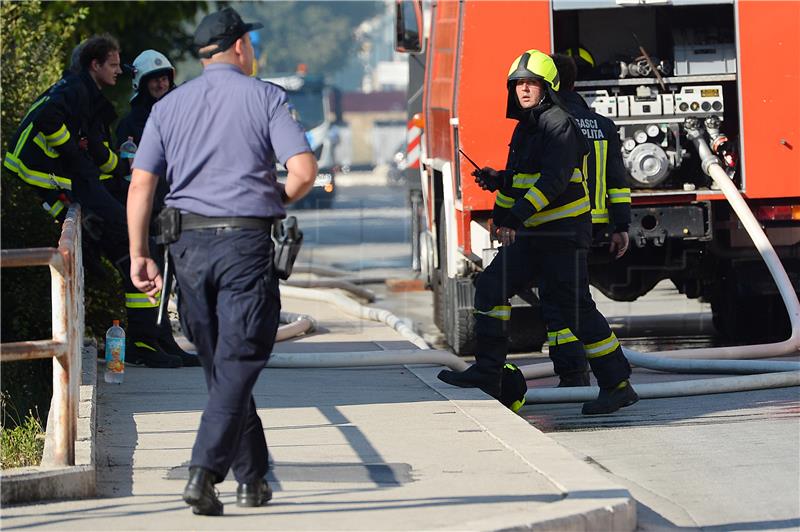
319,34
34,41
141,25
36,44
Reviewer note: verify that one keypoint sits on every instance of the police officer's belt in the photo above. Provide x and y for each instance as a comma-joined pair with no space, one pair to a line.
195,221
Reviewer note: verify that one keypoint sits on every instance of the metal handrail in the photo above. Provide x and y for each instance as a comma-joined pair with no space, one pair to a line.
66,273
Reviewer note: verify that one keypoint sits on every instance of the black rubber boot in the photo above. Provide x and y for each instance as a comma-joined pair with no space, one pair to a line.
142,351
143,348
167,343
611,400
573,380
473,377
200,493
251,495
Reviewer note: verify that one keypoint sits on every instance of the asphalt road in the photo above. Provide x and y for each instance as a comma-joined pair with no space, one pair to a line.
714,462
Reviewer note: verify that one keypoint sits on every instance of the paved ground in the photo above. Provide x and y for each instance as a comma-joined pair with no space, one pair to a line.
385,448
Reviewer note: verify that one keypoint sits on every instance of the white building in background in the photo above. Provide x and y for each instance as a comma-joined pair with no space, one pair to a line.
378,65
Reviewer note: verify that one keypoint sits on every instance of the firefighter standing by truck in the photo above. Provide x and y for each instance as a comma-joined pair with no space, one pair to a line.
542,212
62,150
610,198
153,78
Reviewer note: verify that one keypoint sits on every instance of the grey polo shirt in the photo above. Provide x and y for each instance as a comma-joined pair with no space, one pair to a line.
216,139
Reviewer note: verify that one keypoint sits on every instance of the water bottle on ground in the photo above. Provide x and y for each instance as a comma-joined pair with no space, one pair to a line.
115,354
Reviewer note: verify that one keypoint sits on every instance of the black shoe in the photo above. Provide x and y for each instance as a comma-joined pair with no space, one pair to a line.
611,400
572,380
143,352
251,495
200,493
171,347
473,377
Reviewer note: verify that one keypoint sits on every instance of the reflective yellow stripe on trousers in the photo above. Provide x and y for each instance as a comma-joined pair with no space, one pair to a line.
603,347
564,336
500,312
139,300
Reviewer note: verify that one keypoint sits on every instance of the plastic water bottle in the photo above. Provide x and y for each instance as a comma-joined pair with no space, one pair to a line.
115,354
128,149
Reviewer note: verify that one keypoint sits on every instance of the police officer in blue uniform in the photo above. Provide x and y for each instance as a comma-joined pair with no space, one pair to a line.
216,139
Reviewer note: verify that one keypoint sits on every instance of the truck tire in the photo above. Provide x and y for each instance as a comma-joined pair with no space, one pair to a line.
741,316
459,320
750,319
454,301
438,276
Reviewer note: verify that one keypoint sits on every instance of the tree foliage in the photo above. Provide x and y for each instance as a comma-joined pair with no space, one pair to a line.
37,41
317,33
34,41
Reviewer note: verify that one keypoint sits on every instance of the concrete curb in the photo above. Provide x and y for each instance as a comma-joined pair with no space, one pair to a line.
75,482
591,501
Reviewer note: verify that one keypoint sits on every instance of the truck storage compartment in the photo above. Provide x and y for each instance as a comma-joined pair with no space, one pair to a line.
650,69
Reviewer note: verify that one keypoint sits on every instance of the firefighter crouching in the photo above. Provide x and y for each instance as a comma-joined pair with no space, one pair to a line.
62,150
542,212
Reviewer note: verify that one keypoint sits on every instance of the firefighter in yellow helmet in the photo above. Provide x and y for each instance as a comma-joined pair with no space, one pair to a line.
543,220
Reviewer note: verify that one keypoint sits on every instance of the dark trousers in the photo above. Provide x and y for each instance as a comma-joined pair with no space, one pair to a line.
559,267
105,230
229,308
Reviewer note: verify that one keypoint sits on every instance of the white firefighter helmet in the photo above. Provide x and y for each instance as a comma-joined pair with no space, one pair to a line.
147,63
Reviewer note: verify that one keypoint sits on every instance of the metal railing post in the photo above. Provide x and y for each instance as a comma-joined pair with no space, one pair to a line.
66,273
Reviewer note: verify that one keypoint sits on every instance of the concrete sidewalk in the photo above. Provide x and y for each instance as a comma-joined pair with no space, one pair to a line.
387,448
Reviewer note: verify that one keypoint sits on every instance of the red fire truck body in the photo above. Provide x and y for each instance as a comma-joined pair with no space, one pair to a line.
656,64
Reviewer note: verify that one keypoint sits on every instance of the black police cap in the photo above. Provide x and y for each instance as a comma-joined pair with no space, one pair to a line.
222,28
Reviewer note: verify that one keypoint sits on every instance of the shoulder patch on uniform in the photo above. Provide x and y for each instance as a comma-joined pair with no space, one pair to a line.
292,110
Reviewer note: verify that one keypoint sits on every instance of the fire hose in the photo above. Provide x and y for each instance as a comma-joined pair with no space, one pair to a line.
753,374
670,360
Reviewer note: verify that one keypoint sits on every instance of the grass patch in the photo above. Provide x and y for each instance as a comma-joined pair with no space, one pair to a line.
23,444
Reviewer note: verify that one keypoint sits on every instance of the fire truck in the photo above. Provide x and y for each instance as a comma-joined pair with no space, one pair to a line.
653,65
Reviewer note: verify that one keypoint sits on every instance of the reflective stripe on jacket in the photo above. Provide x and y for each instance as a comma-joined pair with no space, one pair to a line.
605,172
546,160
46,151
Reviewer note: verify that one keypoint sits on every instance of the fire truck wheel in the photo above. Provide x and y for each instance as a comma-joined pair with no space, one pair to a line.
751,319
437,278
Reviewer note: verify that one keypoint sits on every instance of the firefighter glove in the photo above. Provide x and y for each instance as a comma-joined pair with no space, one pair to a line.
490,179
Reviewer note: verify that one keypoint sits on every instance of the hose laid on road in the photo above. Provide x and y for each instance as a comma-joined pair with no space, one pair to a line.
343,275
671,389
733,355
295,325
358,310
367,358
347,286
787,373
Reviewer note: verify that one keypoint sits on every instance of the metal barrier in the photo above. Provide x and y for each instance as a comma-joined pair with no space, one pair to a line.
66,273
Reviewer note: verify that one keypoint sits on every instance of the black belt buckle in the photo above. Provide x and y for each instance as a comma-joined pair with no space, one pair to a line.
169,226
288,239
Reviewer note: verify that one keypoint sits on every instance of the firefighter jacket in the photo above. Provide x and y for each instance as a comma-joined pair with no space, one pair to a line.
605,173
64,136
544,183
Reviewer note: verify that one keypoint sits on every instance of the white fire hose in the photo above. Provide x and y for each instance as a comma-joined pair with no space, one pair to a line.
768,374
669,360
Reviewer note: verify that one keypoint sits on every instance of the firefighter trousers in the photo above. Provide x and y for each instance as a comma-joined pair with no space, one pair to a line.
558,266
105,231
